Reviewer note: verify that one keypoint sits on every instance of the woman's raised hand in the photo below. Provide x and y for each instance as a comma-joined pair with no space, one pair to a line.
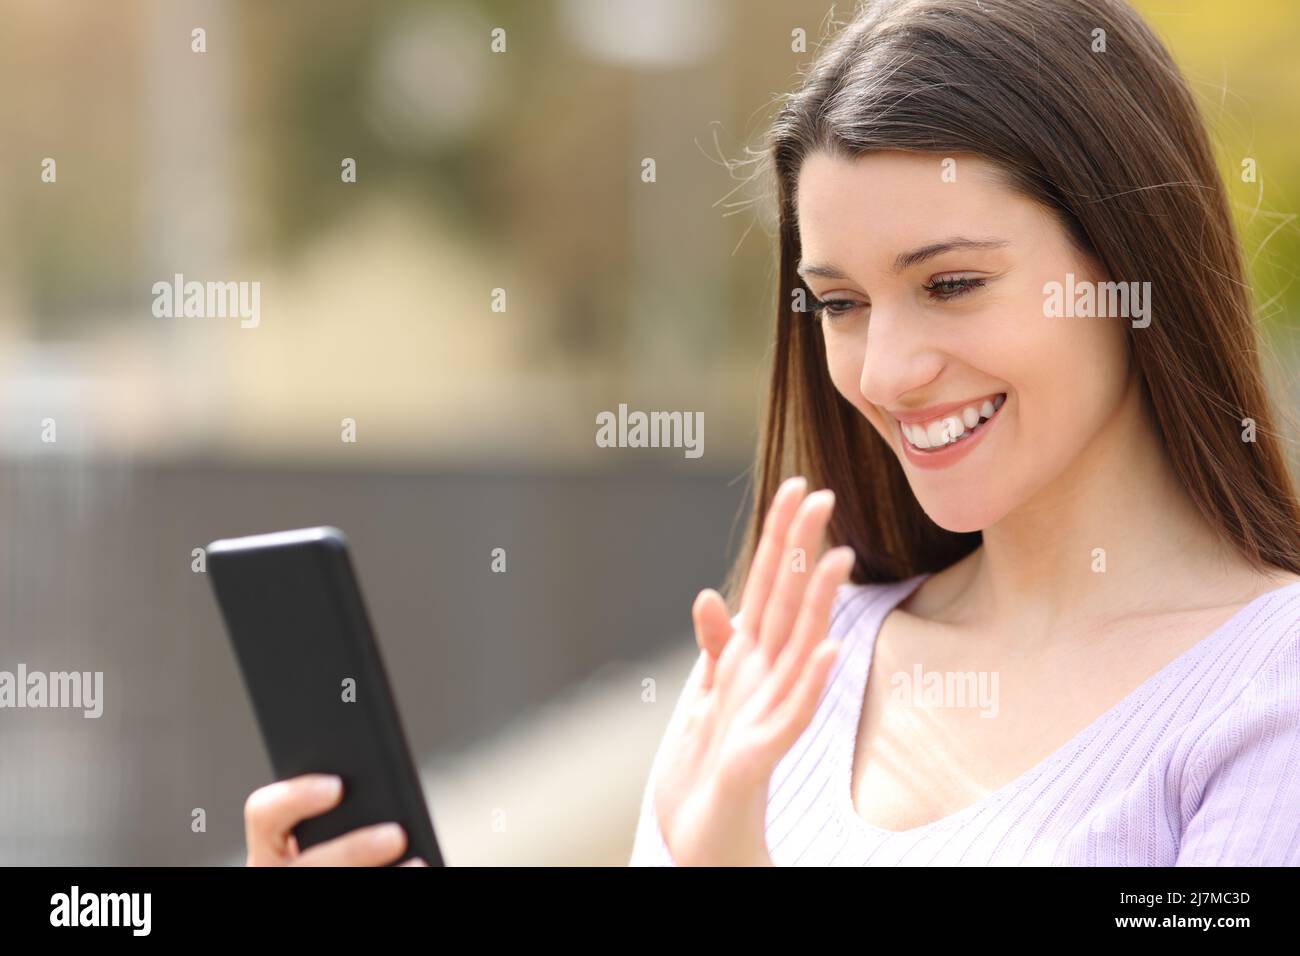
752,691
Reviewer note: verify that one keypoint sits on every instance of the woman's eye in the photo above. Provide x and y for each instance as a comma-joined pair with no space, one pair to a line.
833,307
949,287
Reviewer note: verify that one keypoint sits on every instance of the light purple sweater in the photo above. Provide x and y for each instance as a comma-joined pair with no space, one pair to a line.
1200,765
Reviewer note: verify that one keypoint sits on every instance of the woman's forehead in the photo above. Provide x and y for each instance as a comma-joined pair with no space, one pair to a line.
881,204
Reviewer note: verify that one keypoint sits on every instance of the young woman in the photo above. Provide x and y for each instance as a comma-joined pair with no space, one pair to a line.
1072,630
1060,620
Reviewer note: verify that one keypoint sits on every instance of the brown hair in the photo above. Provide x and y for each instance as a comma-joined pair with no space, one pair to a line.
1113,143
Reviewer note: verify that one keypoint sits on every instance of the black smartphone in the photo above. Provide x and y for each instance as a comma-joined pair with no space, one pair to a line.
293,610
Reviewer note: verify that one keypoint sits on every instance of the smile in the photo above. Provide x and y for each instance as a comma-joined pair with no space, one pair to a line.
953,427
941,440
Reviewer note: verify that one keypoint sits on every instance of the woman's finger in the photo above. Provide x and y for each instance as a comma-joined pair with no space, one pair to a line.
735,654
802,546
814,619
271,812
793,715
712,628
368,846
767,556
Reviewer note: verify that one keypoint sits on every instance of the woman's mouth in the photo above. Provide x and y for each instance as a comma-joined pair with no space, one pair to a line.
951,428
944,439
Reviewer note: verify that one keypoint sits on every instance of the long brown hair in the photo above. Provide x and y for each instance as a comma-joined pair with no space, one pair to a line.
1113,143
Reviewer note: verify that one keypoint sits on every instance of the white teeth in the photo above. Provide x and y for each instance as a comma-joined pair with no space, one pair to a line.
951,428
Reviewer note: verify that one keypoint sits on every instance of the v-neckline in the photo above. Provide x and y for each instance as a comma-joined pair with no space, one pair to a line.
861,673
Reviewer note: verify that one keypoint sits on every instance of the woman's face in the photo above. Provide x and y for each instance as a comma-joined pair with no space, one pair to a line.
935,319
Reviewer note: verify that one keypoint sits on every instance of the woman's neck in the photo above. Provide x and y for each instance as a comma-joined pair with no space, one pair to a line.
1114,534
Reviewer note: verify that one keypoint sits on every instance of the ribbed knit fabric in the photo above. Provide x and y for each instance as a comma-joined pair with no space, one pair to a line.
1200,765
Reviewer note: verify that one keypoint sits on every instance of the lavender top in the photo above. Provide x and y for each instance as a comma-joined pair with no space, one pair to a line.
1200,765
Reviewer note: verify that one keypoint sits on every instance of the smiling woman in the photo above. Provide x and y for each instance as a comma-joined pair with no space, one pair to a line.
1098,512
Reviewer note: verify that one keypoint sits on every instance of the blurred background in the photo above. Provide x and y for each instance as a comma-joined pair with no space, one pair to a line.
475,171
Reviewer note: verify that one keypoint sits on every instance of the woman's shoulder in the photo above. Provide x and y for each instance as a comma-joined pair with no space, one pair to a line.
1239,788
1256,705
1259,681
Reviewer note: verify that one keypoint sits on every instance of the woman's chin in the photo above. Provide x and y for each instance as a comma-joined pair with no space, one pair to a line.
960,514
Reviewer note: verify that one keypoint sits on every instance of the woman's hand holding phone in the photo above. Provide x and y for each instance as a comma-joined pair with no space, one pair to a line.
752,691
271,813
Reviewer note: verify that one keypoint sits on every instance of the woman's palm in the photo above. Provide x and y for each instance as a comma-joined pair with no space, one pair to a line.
752,691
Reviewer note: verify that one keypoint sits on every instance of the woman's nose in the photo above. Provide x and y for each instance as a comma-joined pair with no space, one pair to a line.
898,356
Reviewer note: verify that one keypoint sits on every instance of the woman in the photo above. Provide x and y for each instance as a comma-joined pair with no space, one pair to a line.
1091,510
1060,620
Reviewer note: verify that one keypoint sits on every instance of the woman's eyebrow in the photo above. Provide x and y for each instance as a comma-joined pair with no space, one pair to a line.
905,259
